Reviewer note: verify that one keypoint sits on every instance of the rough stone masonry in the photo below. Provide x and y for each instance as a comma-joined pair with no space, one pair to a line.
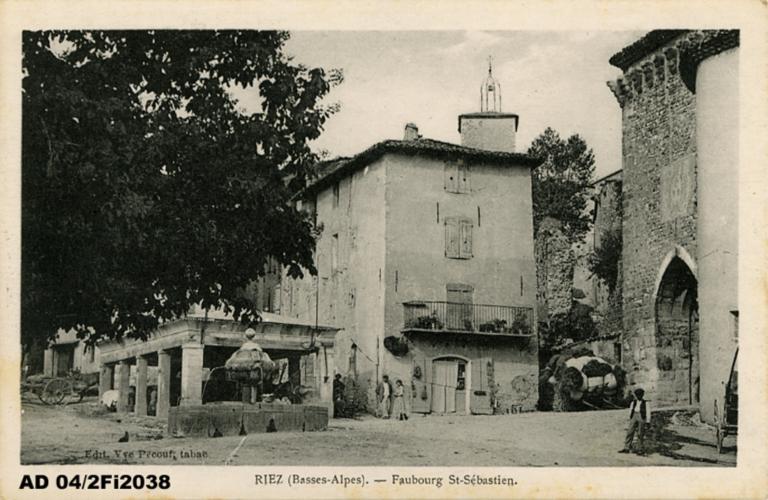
659,190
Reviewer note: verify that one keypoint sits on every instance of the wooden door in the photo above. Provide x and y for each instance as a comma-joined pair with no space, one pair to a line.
480,395
451,373
444,380
439,379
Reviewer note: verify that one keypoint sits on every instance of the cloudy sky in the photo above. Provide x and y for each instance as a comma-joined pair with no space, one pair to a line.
554,79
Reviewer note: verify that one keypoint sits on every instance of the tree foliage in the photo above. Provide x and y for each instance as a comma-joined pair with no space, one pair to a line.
561,183
145,189
576,324
604,260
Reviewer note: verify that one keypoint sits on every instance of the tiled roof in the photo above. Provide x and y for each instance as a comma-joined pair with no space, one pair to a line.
333,170
644,46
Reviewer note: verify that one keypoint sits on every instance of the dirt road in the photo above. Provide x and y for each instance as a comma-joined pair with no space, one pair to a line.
85,434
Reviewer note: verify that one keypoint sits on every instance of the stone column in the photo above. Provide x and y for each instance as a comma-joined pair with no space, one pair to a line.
191,374
141,386
106,378
48,362
123,386
163,383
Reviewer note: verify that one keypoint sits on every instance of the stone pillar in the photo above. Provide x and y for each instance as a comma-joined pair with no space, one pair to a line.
191,374
106,378
141,386
48,362
123,386
163,384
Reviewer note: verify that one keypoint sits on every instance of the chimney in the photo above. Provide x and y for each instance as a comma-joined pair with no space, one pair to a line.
411,132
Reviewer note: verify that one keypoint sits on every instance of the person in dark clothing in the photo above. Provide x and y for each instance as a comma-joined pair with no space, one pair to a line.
639,419
339,406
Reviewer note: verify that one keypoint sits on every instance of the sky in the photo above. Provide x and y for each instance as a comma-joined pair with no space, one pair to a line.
549,78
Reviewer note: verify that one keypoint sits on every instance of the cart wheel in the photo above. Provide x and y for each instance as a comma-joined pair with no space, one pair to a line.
55,391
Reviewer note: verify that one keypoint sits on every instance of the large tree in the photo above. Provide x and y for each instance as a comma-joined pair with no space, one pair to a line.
561,183
146,189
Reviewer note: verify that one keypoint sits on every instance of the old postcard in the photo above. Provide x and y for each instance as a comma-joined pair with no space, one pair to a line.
384,251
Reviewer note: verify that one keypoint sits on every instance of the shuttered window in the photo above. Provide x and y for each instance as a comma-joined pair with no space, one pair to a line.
463,178
457,177
458,238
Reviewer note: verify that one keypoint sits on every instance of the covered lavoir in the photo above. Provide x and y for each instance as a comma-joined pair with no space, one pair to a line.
187,352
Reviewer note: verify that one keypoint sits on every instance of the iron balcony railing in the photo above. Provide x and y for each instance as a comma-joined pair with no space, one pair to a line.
474,318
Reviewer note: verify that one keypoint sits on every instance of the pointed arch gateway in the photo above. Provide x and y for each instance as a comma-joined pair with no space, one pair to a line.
677,330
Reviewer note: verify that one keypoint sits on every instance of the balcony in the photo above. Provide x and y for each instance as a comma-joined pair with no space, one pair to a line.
426,316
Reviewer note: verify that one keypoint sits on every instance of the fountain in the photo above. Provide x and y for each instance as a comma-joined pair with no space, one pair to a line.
251,368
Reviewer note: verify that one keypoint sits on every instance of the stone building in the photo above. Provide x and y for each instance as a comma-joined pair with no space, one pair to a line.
69,354
679,212
426,262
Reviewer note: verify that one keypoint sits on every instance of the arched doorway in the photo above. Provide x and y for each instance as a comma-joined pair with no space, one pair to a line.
450,385
677,335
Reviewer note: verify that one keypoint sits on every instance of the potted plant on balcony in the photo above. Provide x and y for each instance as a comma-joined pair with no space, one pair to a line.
428,322
494,326
520,326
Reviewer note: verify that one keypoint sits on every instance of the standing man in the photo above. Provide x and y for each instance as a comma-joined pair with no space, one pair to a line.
384,394
339,409
639,418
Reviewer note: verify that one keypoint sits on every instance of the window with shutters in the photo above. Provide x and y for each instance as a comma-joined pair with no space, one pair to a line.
458,238
457,177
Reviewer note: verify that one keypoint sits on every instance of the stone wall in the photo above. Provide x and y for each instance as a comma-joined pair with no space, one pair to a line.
555,262
659,198
608,217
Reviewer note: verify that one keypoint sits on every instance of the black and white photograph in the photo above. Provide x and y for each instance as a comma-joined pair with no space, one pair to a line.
380,248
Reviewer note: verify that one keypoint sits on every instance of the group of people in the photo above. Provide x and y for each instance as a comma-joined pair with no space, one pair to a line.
391,400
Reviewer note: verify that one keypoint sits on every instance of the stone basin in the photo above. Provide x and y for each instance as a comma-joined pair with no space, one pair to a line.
230,418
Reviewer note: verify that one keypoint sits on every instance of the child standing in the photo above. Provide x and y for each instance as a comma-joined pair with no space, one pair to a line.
639,418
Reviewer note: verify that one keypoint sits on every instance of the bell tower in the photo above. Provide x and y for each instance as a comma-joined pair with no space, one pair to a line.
490,92
490,129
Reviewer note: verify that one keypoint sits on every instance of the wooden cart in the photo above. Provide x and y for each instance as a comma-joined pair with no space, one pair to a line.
727,420
56,390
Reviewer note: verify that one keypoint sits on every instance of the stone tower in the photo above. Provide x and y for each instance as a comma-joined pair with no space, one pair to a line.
490,129
679,100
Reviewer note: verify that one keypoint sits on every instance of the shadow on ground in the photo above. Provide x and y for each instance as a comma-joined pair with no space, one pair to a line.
669,439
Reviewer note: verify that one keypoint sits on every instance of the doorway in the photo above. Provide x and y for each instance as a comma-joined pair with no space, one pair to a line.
677,335
449,386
